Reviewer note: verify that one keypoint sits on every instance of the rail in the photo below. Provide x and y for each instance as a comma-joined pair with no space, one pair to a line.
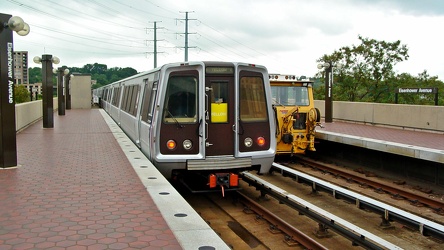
357,235
424,226
436,205
292,234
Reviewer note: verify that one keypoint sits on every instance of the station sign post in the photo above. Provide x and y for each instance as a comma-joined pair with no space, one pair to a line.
8,140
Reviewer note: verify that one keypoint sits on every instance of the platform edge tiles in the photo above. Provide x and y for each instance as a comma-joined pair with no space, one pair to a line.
191,231
422,153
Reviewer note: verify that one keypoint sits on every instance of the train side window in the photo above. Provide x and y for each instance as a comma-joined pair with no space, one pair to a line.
181,100
118,96
125,98
115,96
148,99
253,104
129,95
152,102
106,94
135,104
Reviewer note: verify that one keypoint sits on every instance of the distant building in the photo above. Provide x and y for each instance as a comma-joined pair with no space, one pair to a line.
21,73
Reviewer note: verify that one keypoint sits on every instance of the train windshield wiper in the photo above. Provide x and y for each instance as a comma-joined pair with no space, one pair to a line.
276,102
175,120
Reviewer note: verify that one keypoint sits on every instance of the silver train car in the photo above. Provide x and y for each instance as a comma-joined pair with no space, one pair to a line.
207,118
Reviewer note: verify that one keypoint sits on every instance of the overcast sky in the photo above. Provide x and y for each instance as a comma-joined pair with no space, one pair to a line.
286,36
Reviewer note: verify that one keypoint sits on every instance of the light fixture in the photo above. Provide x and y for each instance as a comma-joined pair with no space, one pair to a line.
25,31
17,24
65,71
38,60
55,60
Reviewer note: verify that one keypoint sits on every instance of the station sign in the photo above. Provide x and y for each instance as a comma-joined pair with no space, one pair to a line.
417,90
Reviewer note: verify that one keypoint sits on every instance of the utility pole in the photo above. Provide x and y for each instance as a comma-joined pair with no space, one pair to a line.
186,34
155,44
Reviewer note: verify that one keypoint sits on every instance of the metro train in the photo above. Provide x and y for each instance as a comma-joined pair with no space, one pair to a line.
207,119
295,114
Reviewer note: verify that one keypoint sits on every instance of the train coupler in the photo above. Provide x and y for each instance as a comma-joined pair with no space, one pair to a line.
223,180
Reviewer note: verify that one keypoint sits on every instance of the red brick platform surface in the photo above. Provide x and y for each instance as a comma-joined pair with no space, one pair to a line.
75,189
409,137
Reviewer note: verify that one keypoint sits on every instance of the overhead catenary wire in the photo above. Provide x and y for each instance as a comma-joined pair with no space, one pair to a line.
129,35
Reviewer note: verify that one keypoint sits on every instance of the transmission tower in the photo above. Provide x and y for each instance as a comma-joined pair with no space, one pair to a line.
155,43
186,34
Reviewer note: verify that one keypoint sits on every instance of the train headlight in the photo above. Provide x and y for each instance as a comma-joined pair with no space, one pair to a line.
171,144
187,144
248,142
260,141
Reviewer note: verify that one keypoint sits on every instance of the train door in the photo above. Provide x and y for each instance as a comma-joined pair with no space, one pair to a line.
219,115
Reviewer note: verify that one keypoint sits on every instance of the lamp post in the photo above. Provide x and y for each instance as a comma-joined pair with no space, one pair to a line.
328,68
47,88
68,79
61,72
8,140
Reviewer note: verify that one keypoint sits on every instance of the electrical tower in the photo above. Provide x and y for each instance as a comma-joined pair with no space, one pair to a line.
186,34
155,43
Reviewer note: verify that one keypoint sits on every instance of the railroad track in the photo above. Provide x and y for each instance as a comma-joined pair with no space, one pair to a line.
243,223
415,199
326,220
294,234
388,213
292,237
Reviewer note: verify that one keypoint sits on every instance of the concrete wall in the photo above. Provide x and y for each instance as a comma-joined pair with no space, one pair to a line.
30,112
422,117
80,87
405,116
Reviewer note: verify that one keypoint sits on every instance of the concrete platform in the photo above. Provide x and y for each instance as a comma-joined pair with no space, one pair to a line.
76,188
412,143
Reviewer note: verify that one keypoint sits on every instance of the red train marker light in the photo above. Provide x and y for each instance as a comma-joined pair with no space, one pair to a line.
260,141
171,144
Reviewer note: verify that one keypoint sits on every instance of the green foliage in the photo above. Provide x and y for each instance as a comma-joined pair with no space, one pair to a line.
367,74
21,94
35,75
99,72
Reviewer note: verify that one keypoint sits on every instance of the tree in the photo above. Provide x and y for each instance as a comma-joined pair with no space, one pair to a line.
21,94
366,69
99,72
35,75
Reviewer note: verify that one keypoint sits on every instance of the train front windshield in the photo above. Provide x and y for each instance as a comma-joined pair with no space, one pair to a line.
290,95
253,105
181,100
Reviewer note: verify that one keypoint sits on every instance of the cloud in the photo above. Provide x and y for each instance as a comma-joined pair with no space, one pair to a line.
286,36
